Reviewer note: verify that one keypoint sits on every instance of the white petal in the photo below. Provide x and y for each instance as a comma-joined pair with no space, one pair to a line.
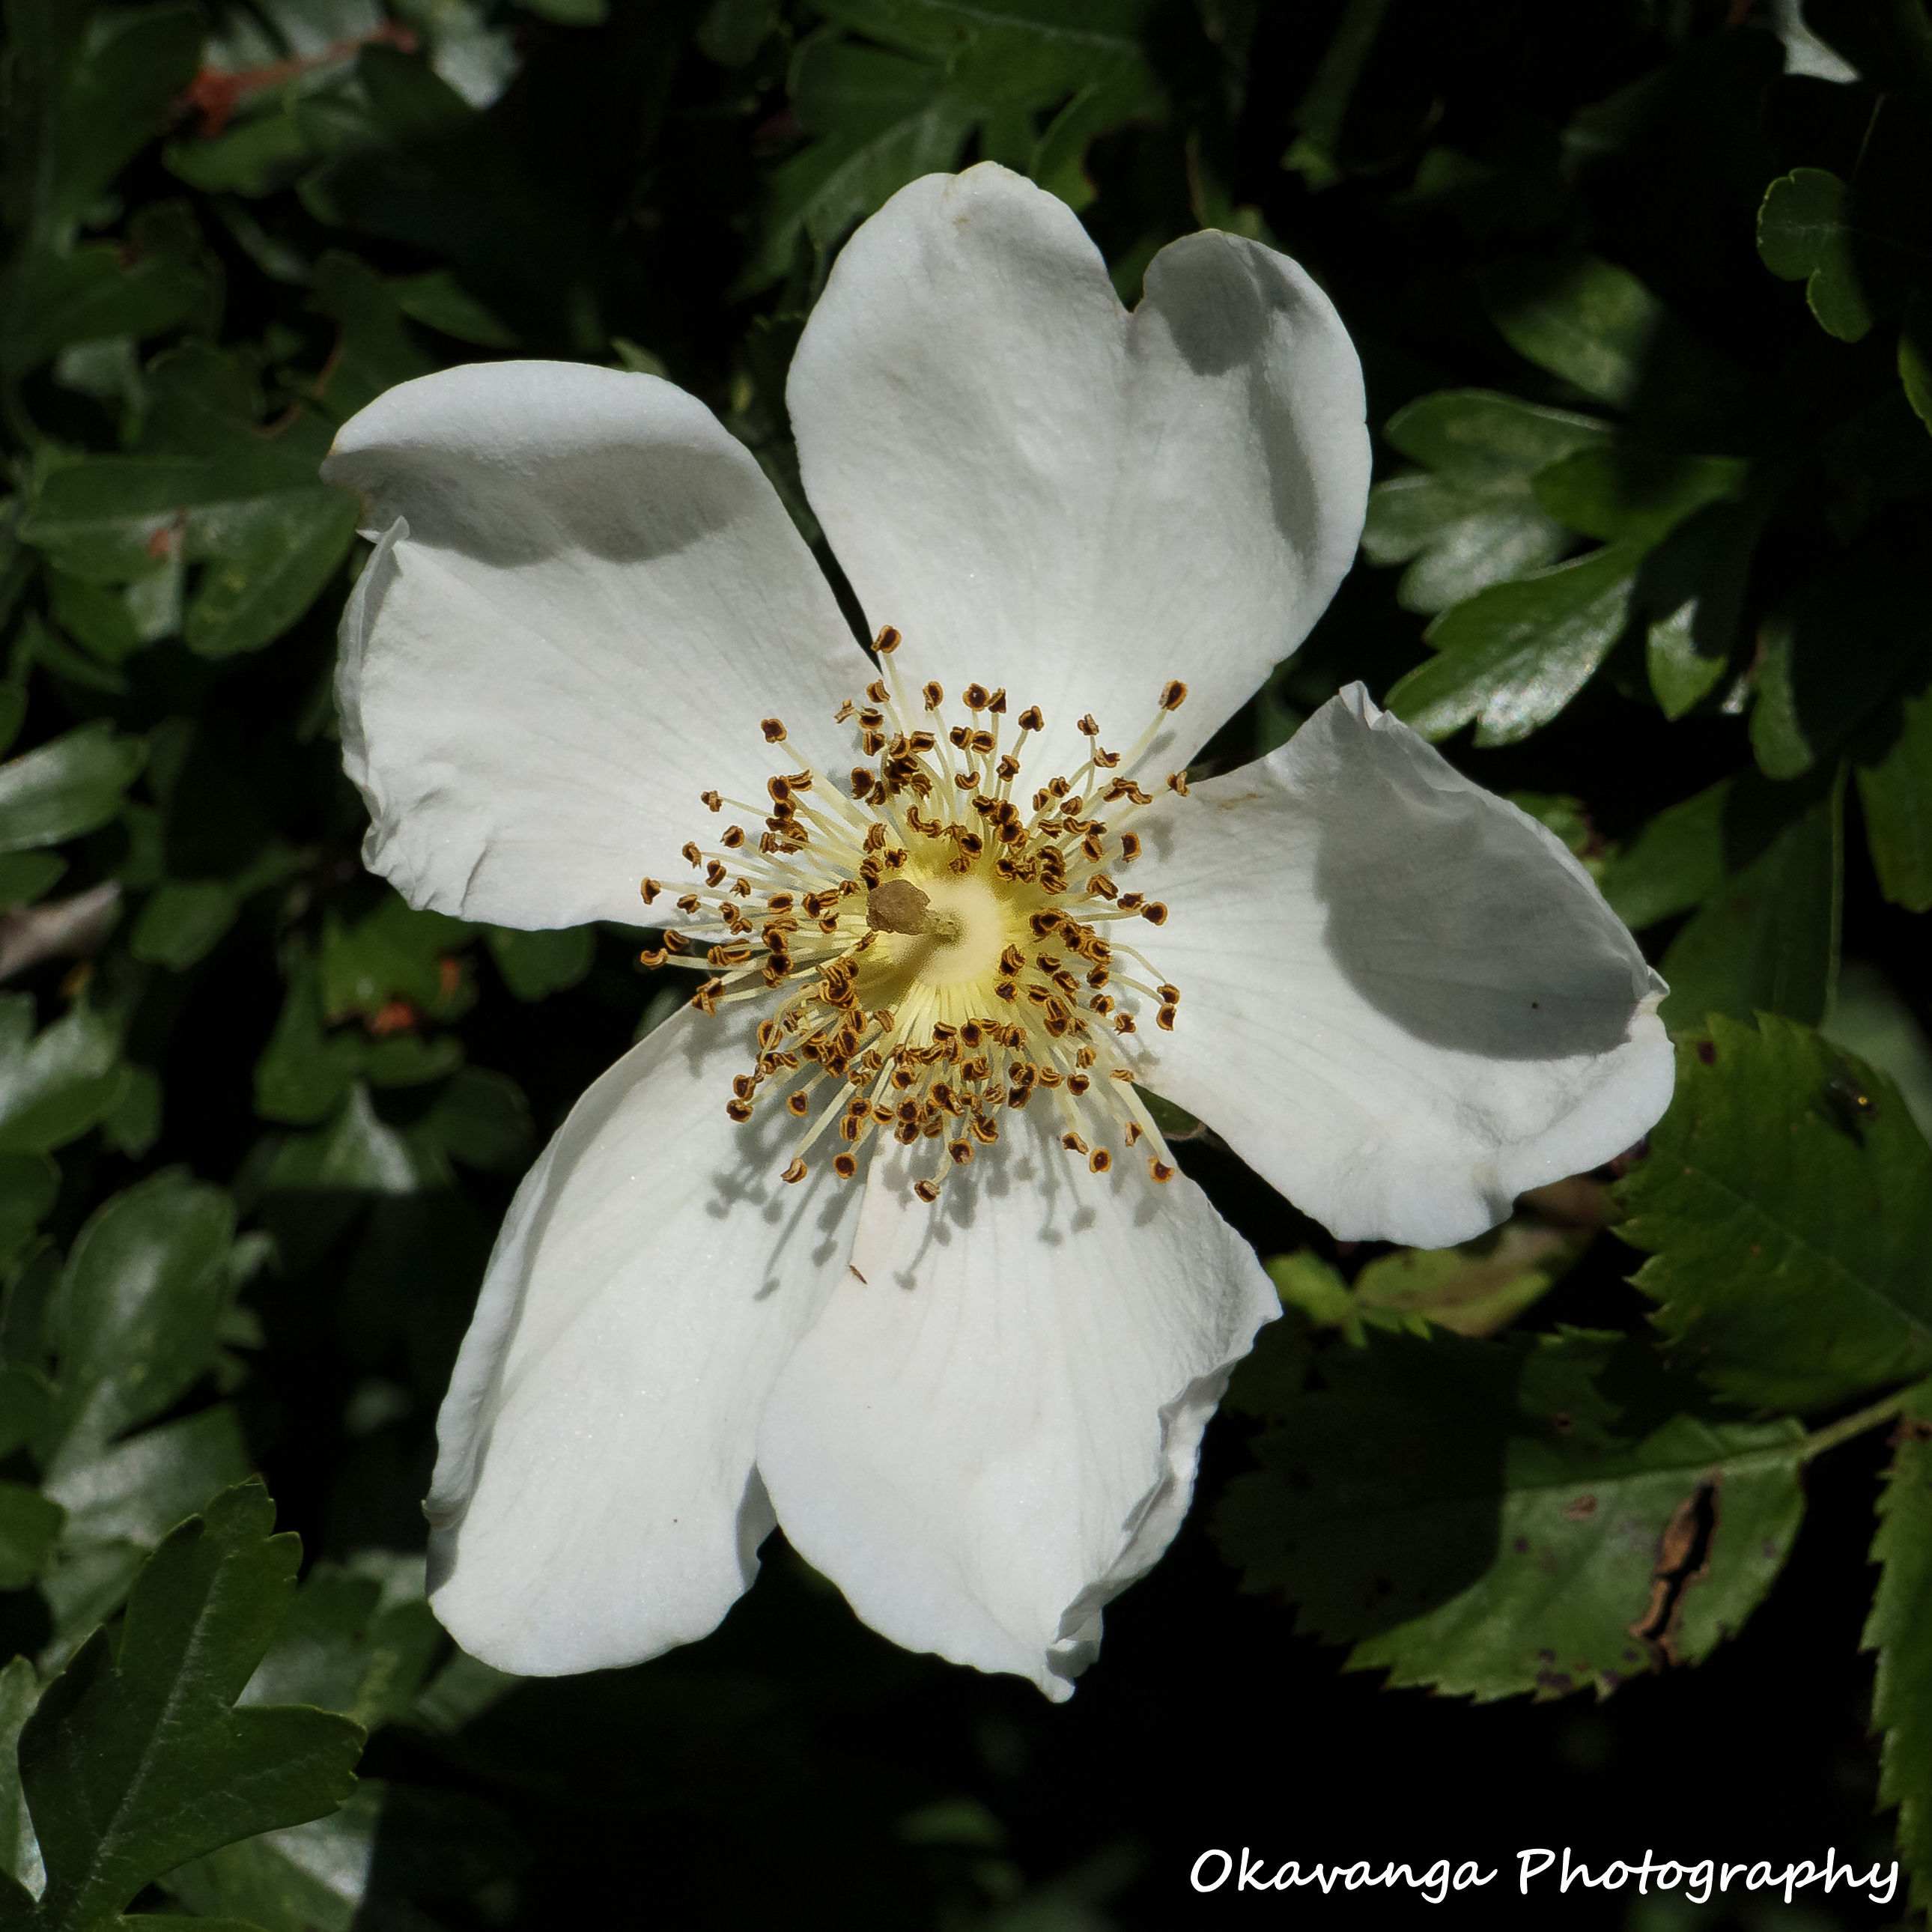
594,1500
585,598
995,1431
1043,492
1403,1001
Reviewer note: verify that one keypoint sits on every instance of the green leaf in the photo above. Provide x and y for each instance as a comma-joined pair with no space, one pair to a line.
1685,853
158,280
394,953
304,1073
1805,234
1786,1207
1768,939
118,93
834,184
133,1124
1915,357
1513,656
30,1526
408,1060
1900,1630
351,1644
20,1854
1320,114
25,877
29,1184
255,158
390,1842
481,1119
1006,49
376,349
1304,1281
98,616
359,1153
1893,763
307,1878
137,1759
1129,90
183,921
1692,588
1474,1289
1625,491
535,964
1872,1022
112,519
1578,317
437,299
56,1084
71,784
275,555
462,1690
1493,1518
246,503
1477,1288
1831,657
135,1317
1473,519
121,1504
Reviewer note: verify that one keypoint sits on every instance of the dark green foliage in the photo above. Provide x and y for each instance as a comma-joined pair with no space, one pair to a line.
1786,1204
1901,1631
137,1758
1495,1518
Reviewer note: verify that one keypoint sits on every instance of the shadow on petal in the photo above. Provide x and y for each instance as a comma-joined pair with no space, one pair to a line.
1448,917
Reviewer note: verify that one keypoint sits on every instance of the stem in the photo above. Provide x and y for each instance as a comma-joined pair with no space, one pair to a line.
1847,1426
1783,1454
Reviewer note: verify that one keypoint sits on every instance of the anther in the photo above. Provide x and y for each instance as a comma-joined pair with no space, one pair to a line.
886,642
1173,695
650,889
796,1171
934,695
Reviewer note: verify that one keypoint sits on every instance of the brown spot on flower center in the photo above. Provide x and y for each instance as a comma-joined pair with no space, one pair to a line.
897,906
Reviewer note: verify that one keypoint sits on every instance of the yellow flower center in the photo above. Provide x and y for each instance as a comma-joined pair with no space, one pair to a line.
934,952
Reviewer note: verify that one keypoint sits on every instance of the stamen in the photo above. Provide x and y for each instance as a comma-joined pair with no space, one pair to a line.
892,944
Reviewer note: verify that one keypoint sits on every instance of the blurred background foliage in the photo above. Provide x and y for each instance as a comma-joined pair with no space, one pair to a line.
1643,289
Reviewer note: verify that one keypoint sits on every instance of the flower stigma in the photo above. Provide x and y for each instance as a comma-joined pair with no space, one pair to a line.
934,953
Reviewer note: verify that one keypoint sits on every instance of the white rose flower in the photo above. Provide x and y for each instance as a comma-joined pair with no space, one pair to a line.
877,1240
